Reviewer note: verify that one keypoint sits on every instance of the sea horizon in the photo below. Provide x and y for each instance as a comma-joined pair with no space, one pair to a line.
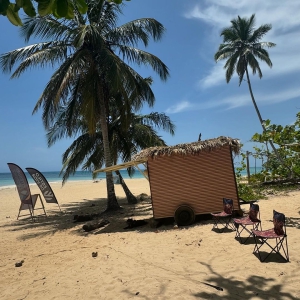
6,180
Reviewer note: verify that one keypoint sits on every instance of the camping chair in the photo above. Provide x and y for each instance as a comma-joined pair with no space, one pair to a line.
278,233
253,219
224,217
28,201
43,185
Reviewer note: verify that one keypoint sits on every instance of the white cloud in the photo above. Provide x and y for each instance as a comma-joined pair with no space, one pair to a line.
179,107
238,100
261,98
215,77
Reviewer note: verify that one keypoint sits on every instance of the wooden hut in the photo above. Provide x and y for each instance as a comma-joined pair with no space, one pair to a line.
189,179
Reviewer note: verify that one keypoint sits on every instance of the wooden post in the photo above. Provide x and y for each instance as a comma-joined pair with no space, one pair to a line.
248,167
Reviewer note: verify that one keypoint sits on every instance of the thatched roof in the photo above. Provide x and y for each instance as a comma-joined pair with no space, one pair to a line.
191,148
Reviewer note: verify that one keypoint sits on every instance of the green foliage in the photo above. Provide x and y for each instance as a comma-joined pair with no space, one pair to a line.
288,140
58,8
250,192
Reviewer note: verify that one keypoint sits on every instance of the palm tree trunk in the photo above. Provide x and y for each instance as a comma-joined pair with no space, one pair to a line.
263,126
112,202
130,197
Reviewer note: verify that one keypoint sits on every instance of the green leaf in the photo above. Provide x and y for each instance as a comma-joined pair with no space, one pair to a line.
267,122
81,6
19,3
28,8
45,7
13,16
70,15
3,6
62,7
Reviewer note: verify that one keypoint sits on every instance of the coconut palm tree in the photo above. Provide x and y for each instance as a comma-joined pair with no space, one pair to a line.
87,150
94,58
241,48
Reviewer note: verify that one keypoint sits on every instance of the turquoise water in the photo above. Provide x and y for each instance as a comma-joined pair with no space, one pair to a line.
7,180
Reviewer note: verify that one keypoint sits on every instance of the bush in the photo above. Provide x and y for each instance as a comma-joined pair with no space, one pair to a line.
250,192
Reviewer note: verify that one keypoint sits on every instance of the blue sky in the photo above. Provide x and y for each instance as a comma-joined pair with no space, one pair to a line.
196,96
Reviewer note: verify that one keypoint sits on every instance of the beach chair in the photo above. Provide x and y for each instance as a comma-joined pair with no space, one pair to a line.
43,185
28,201
225,217
277,235
253,219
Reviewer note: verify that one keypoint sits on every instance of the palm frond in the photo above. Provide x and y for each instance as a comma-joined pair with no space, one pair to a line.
259,33
136,31
41,54
140,57
45,28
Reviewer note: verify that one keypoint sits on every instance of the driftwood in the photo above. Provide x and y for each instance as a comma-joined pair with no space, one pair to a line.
280,181
84,218
90,227
134,223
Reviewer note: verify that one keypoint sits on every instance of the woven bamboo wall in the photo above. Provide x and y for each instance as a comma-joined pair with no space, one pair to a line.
200,181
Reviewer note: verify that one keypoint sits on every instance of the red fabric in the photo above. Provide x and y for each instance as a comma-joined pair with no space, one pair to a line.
228,209
278,227
221,214
270,233
245,221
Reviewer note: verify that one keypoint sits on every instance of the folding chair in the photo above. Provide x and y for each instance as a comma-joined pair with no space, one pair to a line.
28,201
278,233
224,217
253,219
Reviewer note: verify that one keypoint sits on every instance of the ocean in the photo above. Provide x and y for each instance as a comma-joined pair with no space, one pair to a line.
6,179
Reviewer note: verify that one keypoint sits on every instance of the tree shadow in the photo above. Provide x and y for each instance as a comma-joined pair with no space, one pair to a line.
56,221
217,286
293,222
254,286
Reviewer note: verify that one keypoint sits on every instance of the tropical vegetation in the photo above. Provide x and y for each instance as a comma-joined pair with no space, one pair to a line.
273,174
94,58
59,8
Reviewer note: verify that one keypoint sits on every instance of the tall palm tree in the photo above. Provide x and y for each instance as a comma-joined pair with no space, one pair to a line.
241,47
87,150
94,58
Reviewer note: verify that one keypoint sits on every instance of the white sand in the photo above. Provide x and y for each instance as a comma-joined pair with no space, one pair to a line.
141,263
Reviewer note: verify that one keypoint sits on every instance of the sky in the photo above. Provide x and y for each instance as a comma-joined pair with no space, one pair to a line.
196,96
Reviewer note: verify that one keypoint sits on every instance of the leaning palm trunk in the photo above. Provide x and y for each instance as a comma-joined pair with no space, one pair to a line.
131,199
263,126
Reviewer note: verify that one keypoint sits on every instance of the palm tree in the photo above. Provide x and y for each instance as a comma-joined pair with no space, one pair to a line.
87,150
241,47
94,58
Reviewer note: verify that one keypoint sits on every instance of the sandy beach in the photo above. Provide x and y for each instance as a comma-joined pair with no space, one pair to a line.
140,263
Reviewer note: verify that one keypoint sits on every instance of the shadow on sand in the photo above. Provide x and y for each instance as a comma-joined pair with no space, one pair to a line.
56,221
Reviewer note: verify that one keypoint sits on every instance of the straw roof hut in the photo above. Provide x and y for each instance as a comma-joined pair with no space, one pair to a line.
189,179
189,148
